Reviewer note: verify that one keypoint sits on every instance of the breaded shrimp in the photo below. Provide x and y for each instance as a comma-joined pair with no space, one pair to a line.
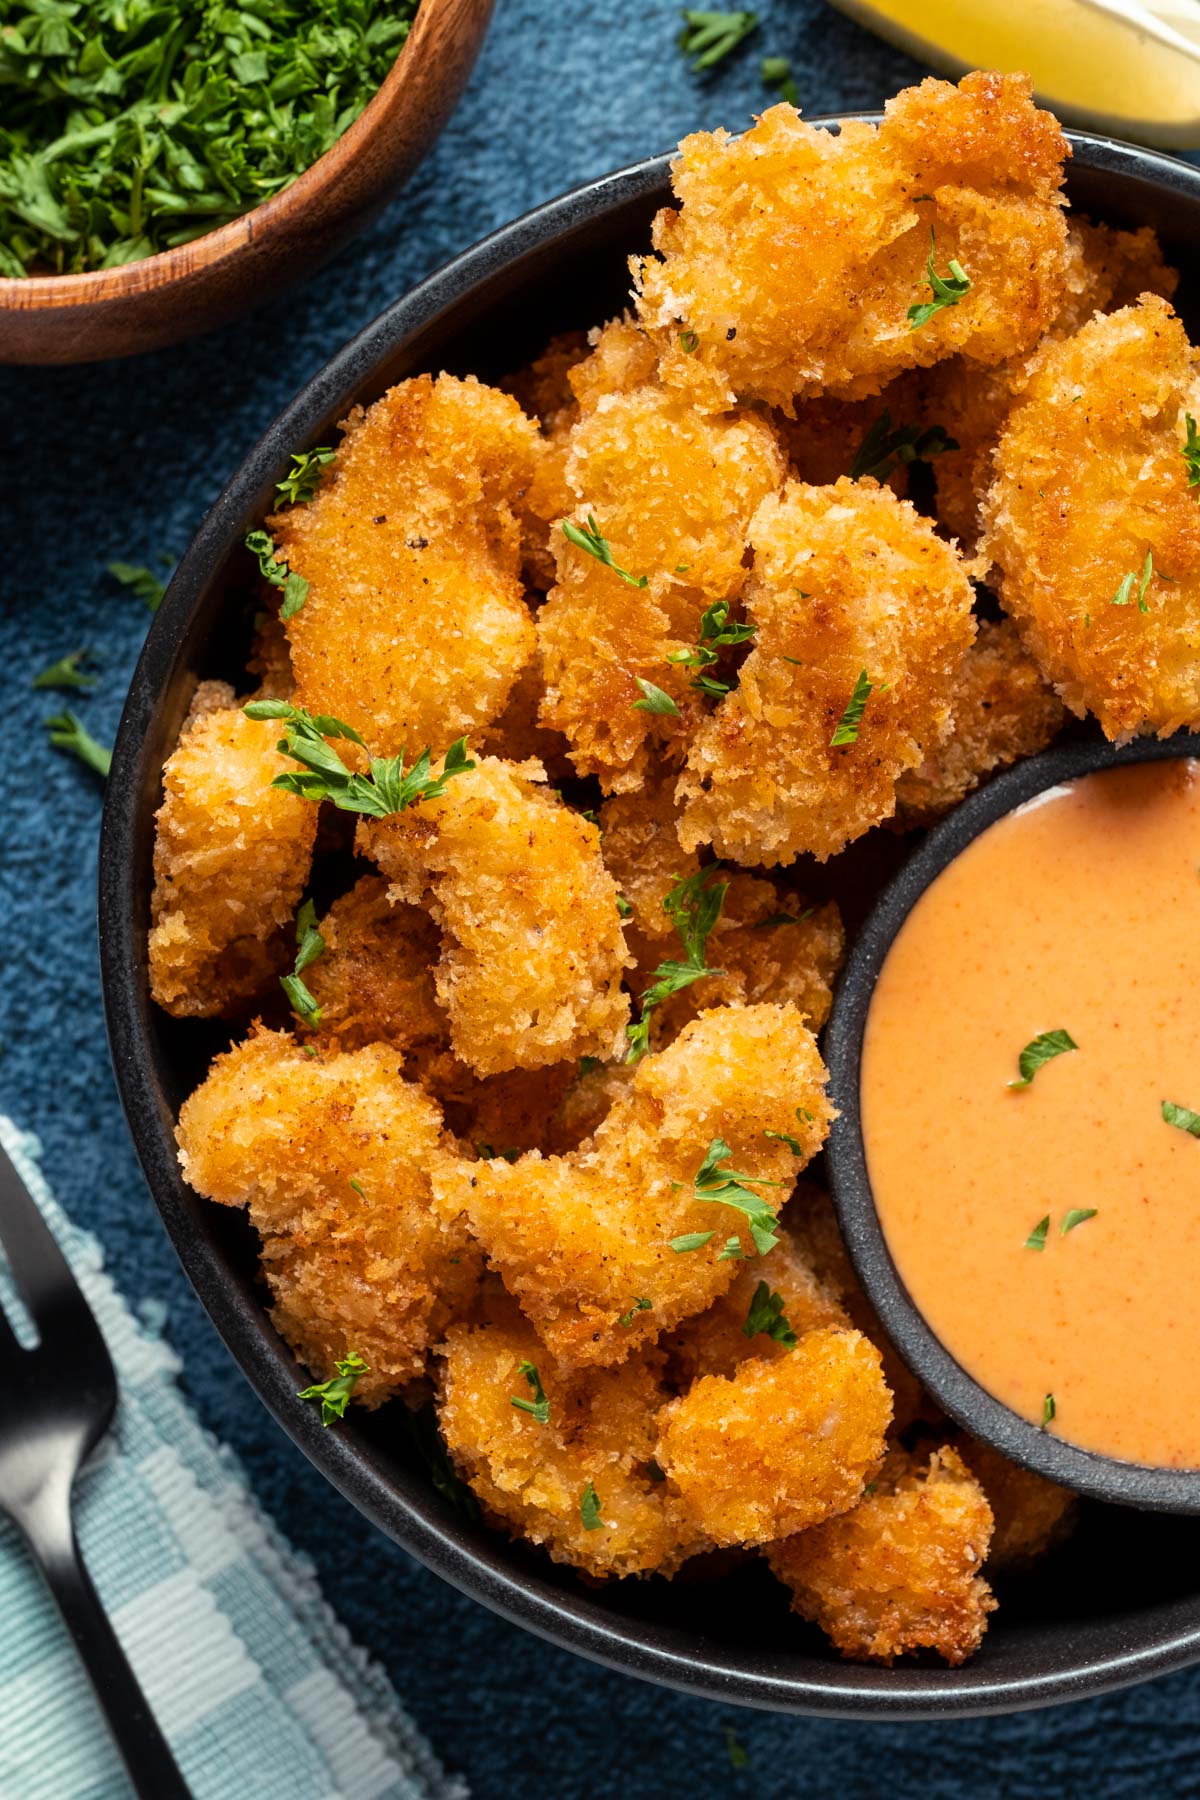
532,1476
1095,526
331,1155
542,389
532,951
517,736
231,857
641,848
795,255
1031,1514
901,1572
415,627
581,1239
374,980
586,1104
671,492
1000,711
848,584
783,1443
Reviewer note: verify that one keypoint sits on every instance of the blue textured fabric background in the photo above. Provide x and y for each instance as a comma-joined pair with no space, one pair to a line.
120,461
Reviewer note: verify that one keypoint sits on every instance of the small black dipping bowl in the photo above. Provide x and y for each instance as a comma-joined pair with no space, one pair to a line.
1118,1603
959,1394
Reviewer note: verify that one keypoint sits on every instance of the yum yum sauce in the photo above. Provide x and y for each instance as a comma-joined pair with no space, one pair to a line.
1078,913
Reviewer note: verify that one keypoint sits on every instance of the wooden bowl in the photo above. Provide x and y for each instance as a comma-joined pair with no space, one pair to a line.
144,305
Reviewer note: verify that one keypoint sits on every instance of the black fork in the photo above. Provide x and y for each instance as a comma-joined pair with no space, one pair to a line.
58,1400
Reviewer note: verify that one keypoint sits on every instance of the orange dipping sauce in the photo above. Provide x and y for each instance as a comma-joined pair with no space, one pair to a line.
1079,912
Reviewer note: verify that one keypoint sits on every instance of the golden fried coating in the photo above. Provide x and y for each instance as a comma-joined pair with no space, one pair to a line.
642,851
1031,1514
532,951
502,1115
374,980
580,1239
847,580
415,627
531,1477
586,1104
1090,481
231,857
715,1342
379,1271
782,1444
901,1572
1001,710
517,735
543,390
795,254
672,492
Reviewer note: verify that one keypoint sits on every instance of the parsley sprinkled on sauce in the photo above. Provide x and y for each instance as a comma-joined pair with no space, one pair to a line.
142,582
694,906
589,1509
295,589
947,290
309,945
715,633
1049,1409
709,37
883,447
324,776
539,1407
766,1316
589,538
1181,1116
639,1305
335,1393
1039,1051
65,674
1037,1237
68,734
1191,451
1124,593
776,72
304,477
846,730
715,1181
1078,1215
654,700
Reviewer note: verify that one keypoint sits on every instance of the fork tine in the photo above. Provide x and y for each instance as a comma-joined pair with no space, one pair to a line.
40,1270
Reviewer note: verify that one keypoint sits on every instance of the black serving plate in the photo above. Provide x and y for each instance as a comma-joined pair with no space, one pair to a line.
1119,1603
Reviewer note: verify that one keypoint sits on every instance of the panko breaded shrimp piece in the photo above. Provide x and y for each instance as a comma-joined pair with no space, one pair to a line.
374,980
517,736
380,1271
1090,482
586,1104
672,491
532,951
542,389
783,1443
231,857
415,627
795,254
715,1342
901,1572
1001,710
531,1476
1032,1515
847,580
641,848
580,1239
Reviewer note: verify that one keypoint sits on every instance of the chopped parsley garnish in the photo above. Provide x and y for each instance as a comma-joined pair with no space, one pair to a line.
140,581
766,1316
295,589
1191,452
69,734
733,1251
588,538
539,1407
883,448
639,1305
654,700
709,37
1037,1237
1181,1116
692,1240
623,907
846,730
739,1756
1049,1408
357,1186
65,674
1039,1051
777,919
947,290
379,794
487,1153
726,1187
1078,1215
309,945
776,72
335,1393
783,1137
689,342
715,633
589,1509
694,906
304,477
1124,593
588,1063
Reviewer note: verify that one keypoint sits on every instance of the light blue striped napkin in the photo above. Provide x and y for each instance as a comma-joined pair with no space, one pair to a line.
258,1687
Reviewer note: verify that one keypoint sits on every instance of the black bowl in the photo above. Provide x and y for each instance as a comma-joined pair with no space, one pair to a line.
959,1394
1115,1606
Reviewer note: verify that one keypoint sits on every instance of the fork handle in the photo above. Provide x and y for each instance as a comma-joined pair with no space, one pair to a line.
152,1769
